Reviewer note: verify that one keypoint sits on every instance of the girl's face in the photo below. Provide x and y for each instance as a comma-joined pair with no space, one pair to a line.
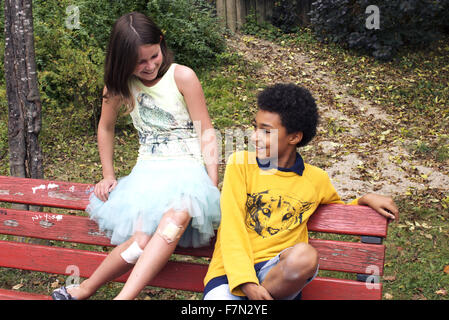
148,63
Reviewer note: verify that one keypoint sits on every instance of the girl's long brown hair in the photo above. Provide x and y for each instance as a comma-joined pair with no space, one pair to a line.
129,32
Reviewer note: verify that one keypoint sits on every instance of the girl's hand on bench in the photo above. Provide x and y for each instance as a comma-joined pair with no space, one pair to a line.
104,187
384,205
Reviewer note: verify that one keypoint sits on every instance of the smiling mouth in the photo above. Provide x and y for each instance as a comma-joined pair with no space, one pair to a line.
261,150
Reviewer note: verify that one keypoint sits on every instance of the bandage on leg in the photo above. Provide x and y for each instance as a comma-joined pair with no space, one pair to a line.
132,253
171,231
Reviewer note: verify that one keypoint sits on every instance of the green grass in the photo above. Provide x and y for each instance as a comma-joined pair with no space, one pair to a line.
417,251
231,92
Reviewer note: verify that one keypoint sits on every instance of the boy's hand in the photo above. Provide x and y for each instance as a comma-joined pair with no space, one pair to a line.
255,291
382,204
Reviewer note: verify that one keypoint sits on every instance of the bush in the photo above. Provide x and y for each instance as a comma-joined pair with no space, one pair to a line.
412,23
285,15
262,29
70,60
191,29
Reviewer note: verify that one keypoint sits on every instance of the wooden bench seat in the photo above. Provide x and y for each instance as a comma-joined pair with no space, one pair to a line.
364,259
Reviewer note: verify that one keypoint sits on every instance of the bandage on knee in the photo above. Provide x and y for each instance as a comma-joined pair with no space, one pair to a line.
132,253
171,231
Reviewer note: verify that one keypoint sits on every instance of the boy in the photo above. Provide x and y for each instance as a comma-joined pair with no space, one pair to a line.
268,195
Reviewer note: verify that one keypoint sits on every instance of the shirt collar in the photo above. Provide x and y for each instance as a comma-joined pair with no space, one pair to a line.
298,166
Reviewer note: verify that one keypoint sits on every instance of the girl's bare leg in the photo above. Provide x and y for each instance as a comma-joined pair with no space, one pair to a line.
111,267
155,255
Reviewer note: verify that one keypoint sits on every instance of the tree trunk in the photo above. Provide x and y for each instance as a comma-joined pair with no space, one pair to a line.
22,91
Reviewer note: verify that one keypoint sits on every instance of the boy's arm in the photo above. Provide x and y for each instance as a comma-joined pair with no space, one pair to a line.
382,204
235,245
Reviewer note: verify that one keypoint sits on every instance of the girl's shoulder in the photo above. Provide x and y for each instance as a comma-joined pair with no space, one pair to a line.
184,77
184,73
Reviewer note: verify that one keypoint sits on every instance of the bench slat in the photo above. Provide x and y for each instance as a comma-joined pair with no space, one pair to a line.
335,218
334,255
51,226
36,258
69,228
47,193
338,289
359,220
350,256
318,289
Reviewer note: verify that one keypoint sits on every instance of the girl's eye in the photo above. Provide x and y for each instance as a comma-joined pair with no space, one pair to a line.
155,56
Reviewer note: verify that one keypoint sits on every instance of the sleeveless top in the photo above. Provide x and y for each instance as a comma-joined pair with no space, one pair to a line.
162,121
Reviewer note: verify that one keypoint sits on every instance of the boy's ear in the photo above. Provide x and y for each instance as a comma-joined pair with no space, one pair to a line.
296,137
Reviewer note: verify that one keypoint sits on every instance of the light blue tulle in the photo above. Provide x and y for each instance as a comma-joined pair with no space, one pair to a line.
140,199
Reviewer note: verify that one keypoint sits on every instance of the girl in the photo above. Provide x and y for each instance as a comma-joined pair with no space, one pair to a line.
169,197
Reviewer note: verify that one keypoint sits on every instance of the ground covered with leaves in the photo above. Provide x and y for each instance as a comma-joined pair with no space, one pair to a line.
383,129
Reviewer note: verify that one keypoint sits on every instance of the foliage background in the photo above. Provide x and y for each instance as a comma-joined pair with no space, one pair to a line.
412,23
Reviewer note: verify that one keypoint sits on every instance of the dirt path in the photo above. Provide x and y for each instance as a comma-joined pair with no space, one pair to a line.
353,142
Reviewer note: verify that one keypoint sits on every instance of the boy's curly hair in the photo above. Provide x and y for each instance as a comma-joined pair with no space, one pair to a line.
295,106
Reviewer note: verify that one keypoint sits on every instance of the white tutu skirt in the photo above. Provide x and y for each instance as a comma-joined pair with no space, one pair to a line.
140,199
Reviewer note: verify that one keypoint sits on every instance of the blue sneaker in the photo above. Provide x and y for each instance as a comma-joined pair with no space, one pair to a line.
62,294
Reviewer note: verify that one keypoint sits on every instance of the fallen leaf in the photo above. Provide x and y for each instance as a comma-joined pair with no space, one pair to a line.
441,292
428,236
388,296
389,278
446,269
55,284
17,286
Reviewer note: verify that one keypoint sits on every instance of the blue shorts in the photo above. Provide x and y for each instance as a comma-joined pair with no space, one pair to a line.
218,288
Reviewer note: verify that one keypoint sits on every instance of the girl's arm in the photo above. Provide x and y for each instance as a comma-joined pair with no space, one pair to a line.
106,128
190,87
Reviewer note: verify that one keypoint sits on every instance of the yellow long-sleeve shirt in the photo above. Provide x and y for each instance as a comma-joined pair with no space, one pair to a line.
263,212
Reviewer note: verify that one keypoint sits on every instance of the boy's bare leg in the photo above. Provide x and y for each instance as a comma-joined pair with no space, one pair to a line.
290,275
110,268
154,256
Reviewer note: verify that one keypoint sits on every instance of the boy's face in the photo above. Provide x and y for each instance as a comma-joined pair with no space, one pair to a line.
270,137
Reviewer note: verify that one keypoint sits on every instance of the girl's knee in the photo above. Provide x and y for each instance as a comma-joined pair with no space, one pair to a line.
134,248
142,239
173,225
181,218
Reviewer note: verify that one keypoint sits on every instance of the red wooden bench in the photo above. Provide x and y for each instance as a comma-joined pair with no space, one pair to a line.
365,259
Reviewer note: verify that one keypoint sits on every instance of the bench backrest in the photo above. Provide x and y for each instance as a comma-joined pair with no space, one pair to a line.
364,259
